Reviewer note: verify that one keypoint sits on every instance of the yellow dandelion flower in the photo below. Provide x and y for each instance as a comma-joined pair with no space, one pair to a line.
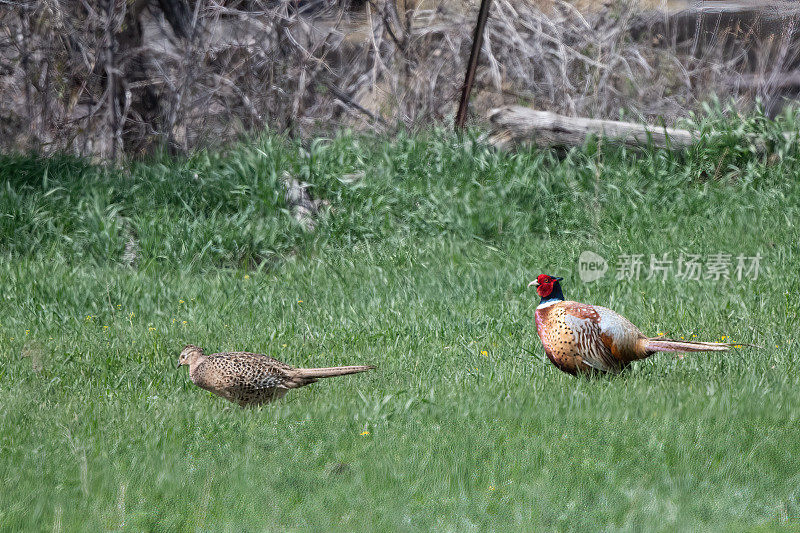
151,329
364,433
491,487
299,301
181,302
105,327
27,331
284,345
247,276
184,322
484,353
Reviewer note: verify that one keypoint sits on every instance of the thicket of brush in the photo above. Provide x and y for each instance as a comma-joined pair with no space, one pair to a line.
109,77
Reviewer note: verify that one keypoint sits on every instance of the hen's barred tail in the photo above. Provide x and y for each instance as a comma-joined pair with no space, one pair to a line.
329,372
668,345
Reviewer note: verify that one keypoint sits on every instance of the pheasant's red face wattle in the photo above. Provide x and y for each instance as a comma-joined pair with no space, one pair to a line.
544,285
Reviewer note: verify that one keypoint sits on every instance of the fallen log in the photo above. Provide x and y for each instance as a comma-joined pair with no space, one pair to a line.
782,81
513,125
517,124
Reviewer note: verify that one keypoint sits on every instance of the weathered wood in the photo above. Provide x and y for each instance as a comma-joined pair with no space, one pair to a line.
513,125
787,81
516,124
766,8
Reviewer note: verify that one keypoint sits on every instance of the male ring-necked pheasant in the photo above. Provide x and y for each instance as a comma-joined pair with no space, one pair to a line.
251,378
581,338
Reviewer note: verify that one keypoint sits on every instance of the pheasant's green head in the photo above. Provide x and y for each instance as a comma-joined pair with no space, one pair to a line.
548,287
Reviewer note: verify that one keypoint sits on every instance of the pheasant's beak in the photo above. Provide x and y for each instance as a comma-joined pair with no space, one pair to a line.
558,279
534,283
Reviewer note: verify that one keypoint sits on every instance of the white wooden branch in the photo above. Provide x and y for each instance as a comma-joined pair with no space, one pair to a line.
512,125
516,125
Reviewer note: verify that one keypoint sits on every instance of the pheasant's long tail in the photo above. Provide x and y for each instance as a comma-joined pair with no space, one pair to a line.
314,373
668,345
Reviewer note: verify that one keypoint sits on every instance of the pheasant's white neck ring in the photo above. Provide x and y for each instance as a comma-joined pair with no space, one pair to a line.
548,303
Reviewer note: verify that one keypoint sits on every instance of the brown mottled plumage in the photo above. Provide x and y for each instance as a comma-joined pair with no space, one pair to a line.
581,338
251,378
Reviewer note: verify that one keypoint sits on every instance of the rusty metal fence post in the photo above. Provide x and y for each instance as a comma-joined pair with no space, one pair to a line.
469,79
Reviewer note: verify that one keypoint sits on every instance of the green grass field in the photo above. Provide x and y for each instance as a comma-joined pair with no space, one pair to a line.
420,268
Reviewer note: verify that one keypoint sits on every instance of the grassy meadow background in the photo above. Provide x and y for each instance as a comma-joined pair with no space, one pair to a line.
420,267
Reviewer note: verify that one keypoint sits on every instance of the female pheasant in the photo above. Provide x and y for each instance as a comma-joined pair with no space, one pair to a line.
252,378
581,338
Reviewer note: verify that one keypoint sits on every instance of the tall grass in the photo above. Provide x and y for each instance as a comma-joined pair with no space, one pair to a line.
419,267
